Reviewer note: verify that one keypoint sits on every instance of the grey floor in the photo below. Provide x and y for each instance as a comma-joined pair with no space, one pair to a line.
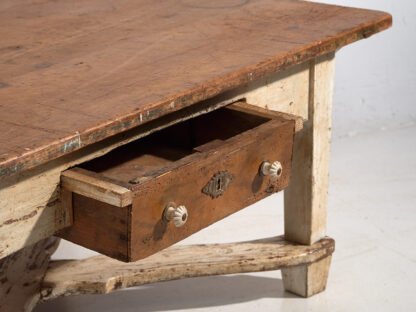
371,215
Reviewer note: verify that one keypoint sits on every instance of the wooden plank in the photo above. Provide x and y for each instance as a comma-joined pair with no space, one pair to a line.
101,275
82,182
128,62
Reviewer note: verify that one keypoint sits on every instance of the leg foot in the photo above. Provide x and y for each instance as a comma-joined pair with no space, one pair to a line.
307,280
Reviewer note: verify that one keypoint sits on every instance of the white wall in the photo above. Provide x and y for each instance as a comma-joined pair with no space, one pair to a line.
375,86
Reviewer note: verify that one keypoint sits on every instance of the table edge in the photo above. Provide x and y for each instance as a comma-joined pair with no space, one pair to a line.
172,103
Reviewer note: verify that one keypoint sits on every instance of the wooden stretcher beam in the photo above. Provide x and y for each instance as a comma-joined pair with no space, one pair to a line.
102,275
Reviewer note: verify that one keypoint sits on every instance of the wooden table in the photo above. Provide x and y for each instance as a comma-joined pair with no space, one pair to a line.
81,78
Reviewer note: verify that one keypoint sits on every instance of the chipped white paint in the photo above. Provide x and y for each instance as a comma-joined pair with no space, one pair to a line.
306,197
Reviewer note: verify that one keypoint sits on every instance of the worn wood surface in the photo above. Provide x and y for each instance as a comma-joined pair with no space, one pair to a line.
21,275
101,275
170,167
100,227
75,72
79,182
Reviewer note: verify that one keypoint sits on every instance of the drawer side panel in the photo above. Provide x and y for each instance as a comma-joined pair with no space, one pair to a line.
99,226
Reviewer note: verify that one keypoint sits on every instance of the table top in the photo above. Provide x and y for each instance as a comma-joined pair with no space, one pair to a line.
74,72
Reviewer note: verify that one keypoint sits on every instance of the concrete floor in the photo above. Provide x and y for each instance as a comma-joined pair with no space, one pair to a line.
371,215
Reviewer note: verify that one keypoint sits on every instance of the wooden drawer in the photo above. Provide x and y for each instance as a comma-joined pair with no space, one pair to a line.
211,165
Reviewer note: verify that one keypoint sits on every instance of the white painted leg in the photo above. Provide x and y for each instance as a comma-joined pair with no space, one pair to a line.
21,275
306,196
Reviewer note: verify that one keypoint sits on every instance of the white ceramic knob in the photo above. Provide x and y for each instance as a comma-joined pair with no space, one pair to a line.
274,170
178,215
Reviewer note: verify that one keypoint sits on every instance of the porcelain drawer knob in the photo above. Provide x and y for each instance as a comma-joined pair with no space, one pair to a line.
274,170
178,215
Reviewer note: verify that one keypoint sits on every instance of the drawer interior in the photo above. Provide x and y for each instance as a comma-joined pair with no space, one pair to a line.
143,157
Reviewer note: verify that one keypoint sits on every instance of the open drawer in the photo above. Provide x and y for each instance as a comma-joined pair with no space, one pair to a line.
156,191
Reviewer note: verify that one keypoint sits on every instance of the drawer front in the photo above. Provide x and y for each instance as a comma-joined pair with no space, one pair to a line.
135,202
238,164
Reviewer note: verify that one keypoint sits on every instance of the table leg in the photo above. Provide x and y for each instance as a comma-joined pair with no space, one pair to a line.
306,197
21,275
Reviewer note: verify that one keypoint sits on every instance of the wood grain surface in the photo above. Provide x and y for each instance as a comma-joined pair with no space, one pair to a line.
101,275
75,72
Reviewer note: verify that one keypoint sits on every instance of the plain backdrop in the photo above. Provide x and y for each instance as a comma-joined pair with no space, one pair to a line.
375,79
371,203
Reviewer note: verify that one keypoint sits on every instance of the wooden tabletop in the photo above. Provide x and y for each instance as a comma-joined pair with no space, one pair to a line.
73,72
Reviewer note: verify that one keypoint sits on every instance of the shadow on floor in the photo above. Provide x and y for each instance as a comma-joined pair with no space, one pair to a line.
183,294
